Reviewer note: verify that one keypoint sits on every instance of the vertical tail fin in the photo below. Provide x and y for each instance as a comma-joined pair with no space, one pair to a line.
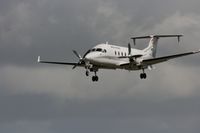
152,47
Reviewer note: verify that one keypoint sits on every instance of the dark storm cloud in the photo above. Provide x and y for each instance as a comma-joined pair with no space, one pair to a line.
56,99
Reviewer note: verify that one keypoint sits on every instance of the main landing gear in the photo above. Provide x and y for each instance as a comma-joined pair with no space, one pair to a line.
143,75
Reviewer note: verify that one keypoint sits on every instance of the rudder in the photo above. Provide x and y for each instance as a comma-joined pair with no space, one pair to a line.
152,47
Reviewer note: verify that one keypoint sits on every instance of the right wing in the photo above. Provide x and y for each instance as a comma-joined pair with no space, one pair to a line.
166,58
60,63
153,61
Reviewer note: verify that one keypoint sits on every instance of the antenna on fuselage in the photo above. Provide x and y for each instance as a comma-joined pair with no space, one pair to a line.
134,41
129,49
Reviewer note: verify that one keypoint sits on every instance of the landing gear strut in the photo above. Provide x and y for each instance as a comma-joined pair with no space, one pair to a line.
143,75
89,69
87,73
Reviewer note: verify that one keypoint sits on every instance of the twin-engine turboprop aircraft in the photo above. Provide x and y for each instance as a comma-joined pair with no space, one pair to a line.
106,56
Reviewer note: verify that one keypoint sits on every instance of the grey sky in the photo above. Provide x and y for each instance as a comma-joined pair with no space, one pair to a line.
49,98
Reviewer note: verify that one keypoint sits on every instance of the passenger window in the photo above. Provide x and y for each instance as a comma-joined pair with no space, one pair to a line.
115,52
122,53
118,53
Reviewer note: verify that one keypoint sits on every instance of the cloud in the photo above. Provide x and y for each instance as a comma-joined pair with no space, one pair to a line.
114,22
178,22
15,25
62,82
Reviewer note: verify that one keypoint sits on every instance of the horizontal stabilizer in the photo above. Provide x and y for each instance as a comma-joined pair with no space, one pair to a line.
163,36
155,36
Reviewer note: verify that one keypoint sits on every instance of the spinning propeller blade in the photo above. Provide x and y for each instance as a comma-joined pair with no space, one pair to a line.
80,59
78,55
74,66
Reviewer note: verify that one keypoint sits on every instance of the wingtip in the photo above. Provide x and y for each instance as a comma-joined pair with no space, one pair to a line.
196,51
38,60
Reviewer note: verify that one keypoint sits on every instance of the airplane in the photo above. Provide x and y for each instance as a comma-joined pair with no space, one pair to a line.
107,56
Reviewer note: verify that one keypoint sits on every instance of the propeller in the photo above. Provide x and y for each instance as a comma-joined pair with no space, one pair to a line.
132,57
76,53
79,57
129,52
129,49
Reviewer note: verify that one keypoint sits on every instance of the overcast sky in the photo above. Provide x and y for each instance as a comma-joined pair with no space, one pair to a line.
46,98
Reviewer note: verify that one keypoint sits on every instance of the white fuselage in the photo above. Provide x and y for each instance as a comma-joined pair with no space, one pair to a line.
108,56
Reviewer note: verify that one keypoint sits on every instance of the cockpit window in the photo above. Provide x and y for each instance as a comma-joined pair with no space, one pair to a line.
99,49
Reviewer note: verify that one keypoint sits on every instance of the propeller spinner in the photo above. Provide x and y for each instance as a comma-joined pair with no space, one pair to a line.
79,57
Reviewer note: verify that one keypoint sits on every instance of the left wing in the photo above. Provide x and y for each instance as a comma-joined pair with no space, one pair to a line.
60,63
166,58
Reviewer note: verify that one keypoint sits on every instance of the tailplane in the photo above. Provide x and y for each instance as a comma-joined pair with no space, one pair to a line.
150,50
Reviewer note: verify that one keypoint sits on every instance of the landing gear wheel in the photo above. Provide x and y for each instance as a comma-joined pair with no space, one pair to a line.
95,78
87,73
143,76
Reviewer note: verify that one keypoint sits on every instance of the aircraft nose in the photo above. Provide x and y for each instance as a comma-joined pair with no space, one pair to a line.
90,56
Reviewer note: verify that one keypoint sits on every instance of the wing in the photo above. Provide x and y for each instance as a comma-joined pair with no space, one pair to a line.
60,63
166,58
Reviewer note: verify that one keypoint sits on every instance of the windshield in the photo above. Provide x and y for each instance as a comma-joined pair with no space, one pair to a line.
99,49
96,49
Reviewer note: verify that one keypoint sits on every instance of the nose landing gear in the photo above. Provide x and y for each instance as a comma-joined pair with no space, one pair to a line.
95,78
87,73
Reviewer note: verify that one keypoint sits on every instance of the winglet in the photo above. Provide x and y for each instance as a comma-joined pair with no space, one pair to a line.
38,60
196,51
